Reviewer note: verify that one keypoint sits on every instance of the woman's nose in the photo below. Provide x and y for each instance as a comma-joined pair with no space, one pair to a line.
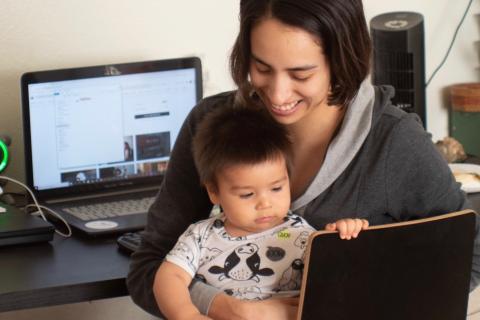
279,90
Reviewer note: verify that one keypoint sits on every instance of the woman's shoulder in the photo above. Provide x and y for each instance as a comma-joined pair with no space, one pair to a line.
219,99
390,118
207,104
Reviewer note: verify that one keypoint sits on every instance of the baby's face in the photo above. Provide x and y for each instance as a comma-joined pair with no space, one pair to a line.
254,197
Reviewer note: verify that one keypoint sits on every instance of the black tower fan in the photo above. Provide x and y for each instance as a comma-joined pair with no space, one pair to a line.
399,58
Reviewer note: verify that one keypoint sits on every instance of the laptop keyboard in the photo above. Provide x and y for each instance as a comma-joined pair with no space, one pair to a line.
110,209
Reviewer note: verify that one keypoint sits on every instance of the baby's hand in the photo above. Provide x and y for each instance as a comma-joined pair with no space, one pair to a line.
348,228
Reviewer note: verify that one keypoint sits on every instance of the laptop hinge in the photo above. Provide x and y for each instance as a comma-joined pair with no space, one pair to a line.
101,195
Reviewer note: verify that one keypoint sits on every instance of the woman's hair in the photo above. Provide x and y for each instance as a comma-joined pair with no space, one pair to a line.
340,27
237,136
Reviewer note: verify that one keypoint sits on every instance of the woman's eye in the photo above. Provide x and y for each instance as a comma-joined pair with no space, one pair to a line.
246,195
262,68
301,77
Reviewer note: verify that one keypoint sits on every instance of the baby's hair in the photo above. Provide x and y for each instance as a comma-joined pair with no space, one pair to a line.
237,135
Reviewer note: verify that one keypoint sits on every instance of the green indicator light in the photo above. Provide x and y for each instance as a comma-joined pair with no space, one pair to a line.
4,158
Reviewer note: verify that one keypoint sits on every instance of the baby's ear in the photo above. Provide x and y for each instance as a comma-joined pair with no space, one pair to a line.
212,193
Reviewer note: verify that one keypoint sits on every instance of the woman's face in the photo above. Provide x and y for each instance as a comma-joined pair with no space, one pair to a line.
288,70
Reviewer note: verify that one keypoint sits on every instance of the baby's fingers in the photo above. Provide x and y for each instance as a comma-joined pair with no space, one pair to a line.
331,227
349,228
344,228
359,225
364,224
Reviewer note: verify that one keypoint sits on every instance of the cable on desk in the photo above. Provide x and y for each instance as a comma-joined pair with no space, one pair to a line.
40,208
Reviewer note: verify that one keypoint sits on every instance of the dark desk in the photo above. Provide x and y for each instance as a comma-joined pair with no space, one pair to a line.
68,270
63,271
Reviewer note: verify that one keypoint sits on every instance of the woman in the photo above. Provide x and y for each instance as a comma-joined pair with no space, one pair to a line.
355,155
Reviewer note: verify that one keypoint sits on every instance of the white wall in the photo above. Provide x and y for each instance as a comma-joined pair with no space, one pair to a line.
46,34
49,34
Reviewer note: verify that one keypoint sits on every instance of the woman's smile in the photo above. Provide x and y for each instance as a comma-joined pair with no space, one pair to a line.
285,109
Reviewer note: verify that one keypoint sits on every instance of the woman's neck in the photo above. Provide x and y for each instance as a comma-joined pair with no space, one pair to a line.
318,129
310,139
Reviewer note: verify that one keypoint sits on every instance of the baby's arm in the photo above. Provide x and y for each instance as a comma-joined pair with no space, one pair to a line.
348,228
170,288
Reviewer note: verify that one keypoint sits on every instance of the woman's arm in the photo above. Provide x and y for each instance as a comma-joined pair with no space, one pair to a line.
171,293
181,201
419,182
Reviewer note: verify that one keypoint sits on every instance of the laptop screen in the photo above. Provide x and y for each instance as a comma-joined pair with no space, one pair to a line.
106,126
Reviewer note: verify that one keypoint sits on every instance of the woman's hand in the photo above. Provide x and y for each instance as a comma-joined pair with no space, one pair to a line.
229,308
348,228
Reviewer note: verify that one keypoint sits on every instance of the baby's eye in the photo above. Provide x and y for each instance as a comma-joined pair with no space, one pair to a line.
277,189
246,195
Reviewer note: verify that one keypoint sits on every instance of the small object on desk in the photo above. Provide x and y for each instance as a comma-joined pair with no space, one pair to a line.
130,241
451,149
18,227
468,175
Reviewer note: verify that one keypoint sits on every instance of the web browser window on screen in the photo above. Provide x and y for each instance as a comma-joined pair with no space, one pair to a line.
103,128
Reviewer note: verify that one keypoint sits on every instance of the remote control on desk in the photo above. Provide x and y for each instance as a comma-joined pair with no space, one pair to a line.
130,241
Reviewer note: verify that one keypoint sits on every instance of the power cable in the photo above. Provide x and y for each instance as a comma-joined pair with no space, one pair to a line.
451,44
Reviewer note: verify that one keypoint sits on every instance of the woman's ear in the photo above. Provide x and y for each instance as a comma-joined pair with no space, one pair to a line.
212,193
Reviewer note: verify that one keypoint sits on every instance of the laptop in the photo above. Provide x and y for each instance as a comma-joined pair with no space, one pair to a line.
98,139
414,270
